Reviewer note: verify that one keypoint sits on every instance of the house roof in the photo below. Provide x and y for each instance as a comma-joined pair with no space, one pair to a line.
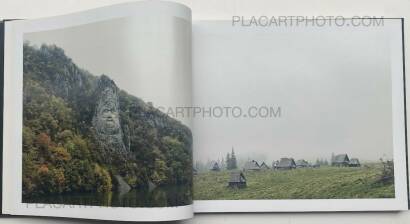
251,165
214,165
264,166
286,162
302,162
236,177
341,158
354,161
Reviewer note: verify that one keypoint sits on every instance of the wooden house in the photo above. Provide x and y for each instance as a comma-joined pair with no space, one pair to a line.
251,166
214,166
301,163
340,160
263,166
354,162
286,164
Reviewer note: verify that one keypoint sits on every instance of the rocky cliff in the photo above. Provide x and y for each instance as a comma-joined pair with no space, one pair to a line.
126,135
106,121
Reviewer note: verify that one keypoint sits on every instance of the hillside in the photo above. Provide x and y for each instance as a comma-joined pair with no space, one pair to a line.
81,129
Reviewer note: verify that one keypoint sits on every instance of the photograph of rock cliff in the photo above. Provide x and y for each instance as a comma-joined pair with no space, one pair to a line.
88,142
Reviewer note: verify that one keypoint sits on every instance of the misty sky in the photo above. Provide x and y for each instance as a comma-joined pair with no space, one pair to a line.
149,57
332,84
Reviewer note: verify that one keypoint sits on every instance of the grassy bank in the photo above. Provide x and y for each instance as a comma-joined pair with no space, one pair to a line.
320,183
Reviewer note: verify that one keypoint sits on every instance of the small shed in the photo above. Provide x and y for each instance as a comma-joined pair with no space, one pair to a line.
237,180
263,166
286,164
354,162
214,166
251,166
301,163
340,160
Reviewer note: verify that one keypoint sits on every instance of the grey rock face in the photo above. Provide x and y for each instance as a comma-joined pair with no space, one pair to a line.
106,121
122,187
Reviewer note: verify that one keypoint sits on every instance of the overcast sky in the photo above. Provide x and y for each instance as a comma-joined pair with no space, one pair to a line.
149,58
332,84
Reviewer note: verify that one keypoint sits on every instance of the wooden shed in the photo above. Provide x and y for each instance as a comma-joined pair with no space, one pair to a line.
354,162
286,164
237,180
340,160
251,166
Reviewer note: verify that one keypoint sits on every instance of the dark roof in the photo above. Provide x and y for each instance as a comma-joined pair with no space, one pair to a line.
302,162
237,177
341,158
251,165
214,165
354,161
286,162
264,166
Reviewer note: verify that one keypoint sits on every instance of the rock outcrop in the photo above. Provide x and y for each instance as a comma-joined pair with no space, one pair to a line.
122,132
106,121
122,186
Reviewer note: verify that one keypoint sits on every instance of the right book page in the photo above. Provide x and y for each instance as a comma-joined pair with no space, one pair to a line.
300,117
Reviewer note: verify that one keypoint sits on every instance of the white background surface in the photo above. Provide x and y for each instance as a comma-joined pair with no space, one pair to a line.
225,9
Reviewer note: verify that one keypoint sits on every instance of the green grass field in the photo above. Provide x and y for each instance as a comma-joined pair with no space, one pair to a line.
307,183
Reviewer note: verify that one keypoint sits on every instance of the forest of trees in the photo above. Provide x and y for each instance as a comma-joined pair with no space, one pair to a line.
60,152
231,163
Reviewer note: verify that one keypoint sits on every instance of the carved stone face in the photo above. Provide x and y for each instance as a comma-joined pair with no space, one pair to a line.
107,119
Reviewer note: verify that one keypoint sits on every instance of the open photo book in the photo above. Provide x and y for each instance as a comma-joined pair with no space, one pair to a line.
135,112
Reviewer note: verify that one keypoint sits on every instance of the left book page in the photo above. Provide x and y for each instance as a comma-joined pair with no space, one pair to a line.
88,131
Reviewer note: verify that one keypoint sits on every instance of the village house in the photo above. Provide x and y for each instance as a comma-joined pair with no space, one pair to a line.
263,166
286,164
251,166
214,166
354,162
301,163
340,160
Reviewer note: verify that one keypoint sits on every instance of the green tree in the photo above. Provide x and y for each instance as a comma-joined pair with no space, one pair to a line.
228,161
102,179
233,164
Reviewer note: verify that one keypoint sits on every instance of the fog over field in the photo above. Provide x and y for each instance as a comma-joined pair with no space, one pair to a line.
333,85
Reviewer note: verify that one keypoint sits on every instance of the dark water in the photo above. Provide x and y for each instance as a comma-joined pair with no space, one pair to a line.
158,197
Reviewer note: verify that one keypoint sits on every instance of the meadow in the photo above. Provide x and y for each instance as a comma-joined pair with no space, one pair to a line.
305,183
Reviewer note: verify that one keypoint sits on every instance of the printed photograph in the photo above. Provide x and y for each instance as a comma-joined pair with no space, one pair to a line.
91,132
308,118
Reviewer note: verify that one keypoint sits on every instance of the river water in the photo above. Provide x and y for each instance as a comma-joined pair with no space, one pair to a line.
159,197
